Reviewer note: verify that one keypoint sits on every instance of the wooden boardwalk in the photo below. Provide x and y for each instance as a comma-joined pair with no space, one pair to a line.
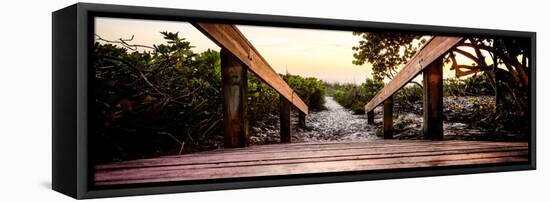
301,158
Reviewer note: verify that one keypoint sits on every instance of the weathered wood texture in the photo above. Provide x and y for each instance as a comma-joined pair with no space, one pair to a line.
286,122
234,90
229,37
433,49
303,158
388,118
433,101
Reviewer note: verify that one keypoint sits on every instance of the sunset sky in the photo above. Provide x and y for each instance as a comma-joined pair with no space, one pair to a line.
323,54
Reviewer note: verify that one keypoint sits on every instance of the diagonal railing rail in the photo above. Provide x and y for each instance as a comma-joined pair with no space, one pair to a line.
432,50
230,38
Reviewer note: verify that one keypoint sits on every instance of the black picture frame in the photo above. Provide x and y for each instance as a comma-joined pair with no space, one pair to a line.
72,32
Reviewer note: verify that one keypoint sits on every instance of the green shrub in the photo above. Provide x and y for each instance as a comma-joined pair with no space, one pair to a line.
471,86
409,94
354,97
358,107
167,100
262,99
149,103
311,90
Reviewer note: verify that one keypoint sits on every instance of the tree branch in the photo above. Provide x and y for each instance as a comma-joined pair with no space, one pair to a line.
468,55
124,43
138,71
506,58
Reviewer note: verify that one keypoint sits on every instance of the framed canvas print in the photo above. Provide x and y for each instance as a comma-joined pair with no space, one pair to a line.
157,100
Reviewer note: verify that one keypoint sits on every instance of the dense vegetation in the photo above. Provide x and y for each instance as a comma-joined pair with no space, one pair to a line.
476,85
355,97
166,99
311,90
494,79
472,86
508,71
469,101
263,100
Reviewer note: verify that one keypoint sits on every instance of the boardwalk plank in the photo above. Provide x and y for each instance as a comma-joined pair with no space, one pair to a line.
286,159
283,154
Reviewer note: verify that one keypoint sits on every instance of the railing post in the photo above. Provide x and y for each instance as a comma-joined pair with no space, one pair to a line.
234,91
284,111
499,96
433,101
370,117
388,118
301,119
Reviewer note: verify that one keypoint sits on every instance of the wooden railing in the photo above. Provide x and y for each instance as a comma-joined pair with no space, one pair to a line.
239,55
429,61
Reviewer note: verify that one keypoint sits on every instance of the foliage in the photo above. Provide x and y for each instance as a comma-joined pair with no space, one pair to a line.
385,51
510,60
262,100
153,102
409,94
167,99
311,90
355,97
475,85
408,97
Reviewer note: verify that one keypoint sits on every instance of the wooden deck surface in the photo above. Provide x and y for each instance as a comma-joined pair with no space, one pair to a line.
300,158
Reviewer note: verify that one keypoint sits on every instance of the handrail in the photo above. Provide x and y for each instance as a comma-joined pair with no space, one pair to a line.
229,37
433,49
